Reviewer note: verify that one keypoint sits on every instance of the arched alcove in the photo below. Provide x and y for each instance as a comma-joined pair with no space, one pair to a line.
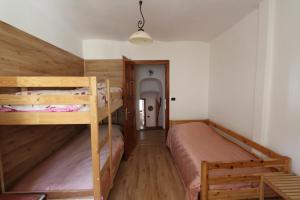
151,94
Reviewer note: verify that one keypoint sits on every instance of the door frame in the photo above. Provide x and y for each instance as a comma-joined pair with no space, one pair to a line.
166,63
145,121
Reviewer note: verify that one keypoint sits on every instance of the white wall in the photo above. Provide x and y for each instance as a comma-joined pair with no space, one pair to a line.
257,91
284,129
189,68
30,16
232,76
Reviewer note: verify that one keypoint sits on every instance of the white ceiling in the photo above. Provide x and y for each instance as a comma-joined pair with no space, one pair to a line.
166,20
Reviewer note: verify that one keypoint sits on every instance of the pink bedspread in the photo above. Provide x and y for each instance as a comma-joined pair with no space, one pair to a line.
192,143
101,92
70,167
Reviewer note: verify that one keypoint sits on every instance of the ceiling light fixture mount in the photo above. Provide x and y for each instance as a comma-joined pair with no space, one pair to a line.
141,37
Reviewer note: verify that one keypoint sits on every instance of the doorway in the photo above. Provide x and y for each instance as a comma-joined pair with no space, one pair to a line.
159,99
151,98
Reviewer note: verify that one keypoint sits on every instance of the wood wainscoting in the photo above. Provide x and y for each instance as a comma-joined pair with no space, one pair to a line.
22,54
111,69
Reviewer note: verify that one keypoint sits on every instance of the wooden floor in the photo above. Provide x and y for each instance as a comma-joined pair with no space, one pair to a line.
149,173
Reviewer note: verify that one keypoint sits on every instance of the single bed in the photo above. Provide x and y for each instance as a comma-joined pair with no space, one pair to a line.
193,143
70,168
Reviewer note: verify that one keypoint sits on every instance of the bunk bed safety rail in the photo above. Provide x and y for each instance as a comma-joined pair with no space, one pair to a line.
31,118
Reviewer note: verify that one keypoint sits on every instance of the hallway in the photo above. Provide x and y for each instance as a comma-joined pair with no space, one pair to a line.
149,173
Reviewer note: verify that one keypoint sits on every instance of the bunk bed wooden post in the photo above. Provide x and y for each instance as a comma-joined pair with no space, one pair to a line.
109,130
95,140
287,167
261,188
204,180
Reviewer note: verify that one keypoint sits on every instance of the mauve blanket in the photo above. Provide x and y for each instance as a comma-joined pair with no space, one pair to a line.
70,168
192,143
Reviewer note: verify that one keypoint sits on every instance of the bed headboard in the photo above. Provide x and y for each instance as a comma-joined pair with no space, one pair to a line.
111,69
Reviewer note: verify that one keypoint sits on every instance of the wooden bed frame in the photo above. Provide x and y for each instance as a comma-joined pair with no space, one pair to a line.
92,117
273,160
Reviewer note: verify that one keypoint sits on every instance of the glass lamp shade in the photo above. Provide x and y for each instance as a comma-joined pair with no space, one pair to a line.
140,37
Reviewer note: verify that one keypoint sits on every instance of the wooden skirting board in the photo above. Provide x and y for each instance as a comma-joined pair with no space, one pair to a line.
175,122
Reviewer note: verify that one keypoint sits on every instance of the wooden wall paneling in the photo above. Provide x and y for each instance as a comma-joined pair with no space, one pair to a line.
111,69
22,54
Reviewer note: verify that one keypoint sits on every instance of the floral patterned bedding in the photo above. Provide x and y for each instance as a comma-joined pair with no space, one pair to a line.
101,90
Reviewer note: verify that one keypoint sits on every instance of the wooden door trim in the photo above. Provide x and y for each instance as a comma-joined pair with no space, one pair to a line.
145,121
166,63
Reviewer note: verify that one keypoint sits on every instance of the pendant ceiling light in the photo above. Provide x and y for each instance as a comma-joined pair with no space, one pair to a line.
141,37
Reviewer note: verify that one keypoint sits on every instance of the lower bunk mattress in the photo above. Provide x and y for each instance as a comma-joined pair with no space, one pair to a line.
69,170
192,143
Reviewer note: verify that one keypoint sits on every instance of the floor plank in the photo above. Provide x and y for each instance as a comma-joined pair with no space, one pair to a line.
149,173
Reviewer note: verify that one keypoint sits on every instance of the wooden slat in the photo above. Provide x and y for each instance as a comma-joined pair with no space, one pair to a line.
288,186
44,99
234,194
246,164
233,179
36,81
43,118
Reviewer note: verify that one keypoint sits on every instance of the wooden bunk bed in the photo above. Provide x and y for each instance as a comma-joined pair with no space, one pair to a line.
93,116
220,176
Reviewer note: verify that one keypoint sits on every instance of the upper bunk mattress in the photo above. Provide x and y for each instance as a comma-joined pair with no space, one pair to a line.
70,168
192,143
101,92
